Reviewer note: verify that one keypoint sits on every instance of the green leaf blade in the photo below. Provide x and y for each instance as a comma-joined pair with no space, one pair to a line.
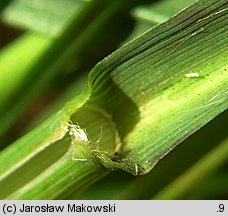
176,75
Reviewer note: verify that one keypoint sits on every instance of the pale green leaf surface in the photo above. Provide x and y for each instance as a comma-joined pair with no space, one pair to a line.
48,17
12,75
